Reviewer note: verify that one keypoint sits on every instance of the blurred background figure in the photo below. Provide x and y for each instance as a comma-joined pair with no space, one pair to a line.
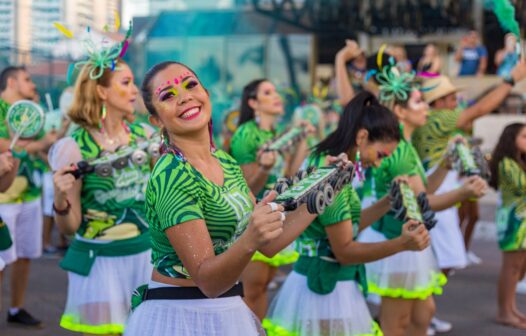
400,55
430,61
507,57
472,56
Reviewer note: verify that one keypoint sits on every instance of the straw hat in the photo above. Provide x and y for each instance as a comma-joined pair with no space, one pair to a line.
438,87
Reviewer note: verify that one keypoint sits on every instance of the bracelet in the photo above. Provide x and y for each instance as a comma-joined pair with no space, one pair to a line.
63,212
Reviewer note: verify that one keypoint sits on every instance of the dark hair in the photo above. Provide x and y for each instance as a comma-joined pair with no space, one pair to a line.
362,112
147,91
250,91
506,147
9,72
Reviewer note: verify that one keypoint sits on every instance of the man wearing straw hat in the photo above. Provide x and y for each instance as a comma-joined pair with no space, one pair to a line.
445,120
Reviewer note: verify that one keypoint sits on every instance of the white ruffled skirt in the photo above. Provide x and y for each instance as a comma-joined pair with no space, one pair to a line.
298,311
228,316
407,275
100,302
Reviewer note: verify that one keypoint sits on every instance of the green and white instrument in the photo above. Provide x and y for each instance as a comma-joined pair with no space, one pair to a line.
104,165
285,141
406,206
25,119
469,161
315,187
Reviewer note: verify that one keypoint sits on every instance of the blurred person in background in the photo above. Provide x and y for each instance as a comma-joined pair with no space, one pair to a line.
21,209
400,55
472,56
430,61
507,57
508,177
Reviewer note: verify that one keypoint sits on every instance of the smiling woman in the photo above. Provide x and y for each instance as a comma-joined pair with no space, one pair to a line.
106,214
204,222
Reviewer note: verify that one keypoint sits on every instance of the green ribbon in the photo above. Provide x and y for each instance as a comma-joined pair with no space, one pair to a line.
101,58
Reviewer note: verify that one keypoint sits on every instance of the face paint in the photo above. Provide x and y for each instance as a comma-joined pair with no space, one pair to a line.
172,92
179,79
176,81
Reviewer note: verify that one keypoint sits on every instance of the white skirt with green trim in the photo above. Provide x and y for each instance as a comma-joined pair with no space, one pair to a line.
100,302
297,311
405,275
202,317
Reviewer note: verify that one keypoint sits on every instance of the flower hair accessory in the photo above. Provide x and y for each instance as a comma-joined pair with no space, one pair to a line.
100,56
395,84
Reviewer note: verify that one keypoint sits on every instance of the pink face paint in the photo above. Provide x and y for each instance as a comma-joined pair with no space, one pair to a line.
176,81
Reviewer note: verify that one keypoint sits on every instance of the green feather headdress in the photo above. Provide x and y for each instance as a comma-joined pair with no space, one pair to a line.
394,84
100,55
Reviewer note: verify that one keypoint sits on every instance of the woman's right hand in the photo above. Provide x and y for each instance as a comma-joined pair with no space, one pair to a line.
267,159
265,224
63,181
415,236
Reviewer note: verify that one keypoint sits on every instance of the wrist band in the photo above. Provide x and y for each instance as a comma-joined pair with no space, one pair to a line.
63,212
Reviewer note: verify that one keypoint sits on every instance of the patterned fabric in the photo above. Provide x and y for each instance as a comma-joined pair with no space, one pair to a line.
178,193
246,142
119,198
317,261
511,212
431,140
403,161
313,241
31,167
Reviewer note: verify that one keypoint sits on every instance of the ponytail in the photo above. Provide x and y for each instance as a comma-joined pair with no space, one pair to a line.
362,112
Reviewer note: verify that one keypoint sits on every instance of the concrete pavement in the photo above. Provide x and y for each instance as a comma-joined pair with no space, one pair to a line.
469,301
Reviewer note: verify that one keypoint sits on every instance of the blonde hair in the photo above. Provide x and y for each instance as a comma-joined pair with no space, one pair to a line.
86,107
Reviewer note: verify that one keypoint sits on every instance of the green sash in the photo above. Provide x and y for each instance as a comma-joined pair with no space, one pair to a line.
81,254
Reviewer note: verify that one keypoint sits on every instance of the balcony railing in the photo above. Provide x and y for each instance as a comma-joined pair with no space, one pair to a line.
374,17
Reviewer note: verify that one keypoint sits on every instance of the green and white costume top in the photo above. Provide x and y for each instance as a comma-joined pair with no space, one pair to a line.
511,211
317,261
178,193
28,183
386,276
403,161
113,215
245,144
431,140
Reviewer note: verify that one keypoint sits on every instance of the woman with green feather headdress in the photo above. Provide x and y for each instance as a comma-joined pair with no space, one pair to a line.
110,255
408,280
